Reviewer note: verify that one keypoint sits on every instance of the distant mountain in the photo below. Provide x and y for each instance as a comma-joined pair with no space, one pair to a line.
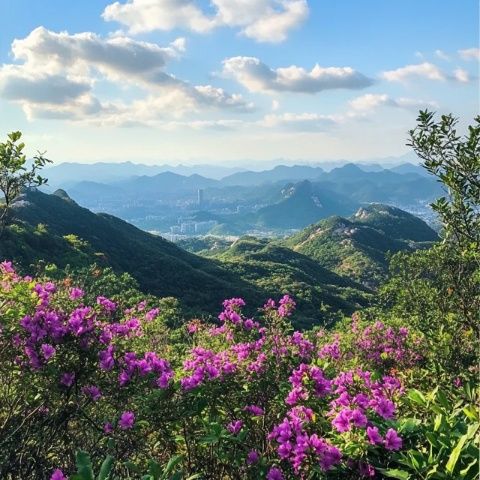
302,204
68,173
383,186
409,168
55,229
166,183
277,174
358,247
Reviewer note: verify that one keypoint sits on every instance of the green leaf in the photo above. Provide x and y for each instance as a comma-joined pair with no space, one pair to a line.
84,465
106,468
453,459
395,473
464,472
417,397
172,463
154,469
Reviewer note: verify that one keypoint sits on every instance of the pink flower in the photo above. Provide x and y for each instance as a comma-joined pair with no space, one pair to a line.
93,392
275,474
235,426
127,420
48,351
76,293
252,457
108,428
254,410
385,408
67,378
58,475
392,440
374,436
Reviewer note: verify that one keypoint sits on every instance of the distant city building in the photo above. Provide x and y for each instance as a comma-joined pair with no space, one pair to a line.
201,197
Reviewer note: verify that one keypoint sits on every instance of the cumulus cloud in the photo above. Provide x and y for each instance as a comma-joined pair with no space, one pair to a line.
256,76
470,54
427,71
371,101
422,70
58,73
262,20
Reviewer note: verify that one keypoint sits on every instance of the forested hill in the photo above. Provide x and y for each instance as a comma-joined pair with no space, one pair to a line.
358,247
54,229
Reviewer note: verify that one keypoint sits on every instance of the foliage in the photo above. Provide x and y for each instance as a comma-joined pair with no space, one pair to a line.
455,161
14,175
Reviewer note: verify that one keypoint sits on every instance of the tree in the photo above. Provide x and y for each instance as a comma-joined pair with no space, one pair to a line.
455,161
15,176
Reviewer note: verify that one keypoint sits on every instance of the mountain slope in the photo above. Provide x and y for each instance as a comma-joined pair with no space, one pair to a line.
72,234
302,204
358,247
54,229
273,268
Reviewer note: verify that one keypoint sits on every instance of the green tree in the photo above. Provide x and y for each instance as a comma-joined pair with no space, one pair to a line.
15,175
438,290
455,161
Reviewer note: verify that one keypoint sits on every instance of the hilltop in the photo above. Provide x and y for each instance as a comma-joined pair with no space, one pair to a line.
358,247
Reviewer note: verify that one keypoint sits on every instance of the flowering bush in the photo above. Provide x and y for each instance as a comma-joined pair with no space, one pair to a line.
235,398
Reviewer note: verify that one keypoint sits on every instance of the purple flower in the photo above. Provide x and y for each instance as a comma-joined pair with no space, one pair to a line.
275,474
254,410
93,392
108,428
107,361
342,421
76,293
235,426
374,436
58,475
67,378
385,408
358,418
392,440
48,351
252,457
127,420
107,304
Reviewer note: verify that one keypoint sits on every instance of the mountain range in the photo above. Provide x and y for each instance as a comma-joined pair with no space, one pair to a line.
55,229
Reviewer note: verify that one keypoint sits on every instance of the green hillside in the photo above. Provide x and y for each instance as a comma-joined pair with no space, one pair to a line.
302,204
358,247
53,228
271,267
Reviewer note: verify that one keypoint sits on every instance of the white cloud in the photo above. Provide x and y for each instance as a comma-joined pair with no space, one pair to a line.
259,77
427,71
470,54
371,101
59,72
421,70
299,121
461,75
262,20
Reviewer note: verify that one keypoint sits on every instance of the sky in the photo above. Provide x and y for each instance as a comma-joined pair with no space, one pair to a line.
231,81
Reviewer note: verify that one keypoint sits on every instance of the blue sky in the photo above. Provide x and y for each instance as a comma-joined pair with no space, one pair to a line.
191,81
